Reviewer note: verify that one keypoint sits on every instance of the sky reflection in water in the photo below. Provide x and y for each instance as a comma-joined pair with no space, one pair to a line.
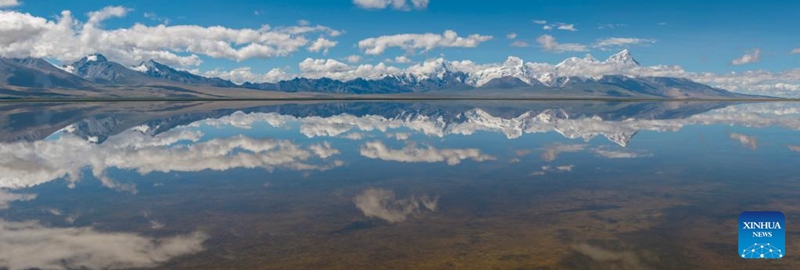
391,185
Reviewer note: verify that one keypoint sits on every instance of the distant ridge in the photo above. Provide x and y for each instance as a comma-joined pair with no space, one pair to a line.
511,78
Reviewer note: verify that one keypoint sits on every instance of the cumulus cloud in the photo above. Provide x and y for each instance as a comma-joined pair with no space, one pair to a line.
745,140
29,245
353,59
322,44
330,68
323,150
402,59
9,3
411,153
26,164
511,36
245,74
67,39
752,56
383,204
395,4
426,42
549,43
7,197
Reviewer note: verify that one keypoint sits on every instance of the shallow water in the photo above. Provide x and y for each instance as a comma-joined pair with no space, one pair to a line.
379,185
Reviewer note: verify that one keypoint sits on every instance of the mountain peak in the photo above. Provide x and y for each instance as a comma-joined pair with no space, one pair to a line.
622,57
95,58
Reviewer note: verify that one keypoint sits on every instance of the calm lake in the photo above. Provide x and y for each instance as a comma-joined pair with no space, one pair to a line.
393,185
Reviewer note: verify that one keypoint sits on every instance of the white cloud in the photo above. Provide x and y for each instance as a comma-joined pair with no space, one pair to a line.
402,59
552,151
355,136
154,17
96,17
560,26
748,58
796,51
395,4
617,154
383,204
618,41
9,3
8,197
519,44
245,74
511,36
323,150
411,153
626,260
322,44
611,25
539,21
28,245
567,27
426,42
26,164
66,39
330,68
400,136
353,59
745,140
795,148
549,43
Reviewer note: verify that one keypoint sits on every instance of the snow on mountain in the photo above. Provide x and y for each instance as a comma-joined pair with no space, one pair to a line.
513,67
530,73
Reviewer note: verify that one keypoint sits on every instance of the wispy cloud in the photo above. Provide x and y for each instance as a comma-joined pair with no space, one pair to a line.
621,41
426,42
394,4
748,141
519,44
383,204
7,197
750,57
549,43
412,153
9,3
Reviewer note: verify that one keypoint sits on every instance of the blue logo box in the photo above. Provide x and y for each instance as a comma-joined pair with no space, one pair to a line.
762,235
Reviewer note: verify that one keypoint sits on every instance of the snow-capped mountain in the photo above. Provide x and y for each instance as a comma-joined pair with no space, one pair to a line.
98,69
160,71
573,77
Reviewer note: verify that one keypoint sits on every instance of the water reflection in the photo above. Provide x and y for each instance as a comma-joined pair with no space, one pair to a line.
416,185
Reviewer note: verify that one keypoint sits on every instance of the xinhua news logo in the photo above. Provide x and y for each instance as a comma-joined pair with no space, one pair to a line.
762,235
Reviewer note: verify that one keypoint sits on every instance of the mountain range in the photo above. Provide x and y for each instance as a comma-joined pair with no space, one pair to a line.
95,73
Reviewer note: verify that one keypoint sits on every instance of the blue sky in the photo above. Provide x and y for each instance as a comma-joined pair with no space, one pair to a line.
698,35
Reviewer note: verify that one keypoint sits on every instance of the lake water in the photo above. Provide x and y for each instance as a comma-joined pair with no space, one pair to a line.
382,185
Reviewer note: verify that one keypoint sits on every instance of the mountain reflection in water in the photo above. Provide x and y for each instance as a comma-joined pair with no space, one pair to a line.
381,185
